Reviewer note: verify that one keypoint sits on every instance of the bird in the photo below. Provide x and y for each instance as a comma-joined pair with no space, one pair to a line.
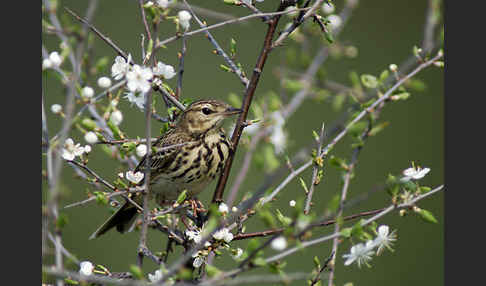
200,151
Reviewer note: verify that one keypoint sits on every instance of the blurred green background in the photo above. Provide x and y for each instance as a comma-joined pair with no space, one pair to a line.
384,32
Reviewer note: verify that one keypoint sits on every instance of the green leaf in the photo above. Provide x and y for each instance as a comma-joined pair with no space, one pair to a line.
346,232
212,271
253,244
88,124
358,128
136,272
164,128
259,261
338,101
101,198
333,204
427,216
61,221
304,186
425,189
69,281
234,100
317,263
267,218
129,146
233,47
182,196
271,161
384,75
285,221
292,85
117,133
101,64
225,68
378,128
338,162
369,81
401,96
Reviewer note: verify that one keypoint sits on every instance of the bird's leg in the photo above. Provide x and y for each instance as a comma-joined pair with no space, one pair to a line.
194,206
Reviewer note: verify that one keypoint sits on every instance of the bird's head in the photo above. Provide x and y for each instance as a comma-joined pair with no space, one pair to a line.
204,115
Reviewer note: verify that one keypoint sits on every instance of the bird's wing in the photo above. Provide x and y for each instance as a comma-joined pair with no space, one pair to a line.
167,148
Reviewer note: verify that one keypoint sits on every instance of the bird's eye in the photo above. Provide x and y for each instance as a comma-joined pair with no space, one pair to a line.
206,111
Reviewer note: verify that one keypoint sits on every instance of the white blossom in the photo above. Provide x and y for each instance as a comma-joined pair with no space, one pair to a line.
278,139
46,64
71,151
384,238
55,59
134,177
251,129
87,92
87,149
104,82
279,243
141,150
86,268
360,252
234,209
56,108
223,208
184,19
223,234
194,235
327,8
138,100
156,276
198,261
415,173
138,79
292,203
116,117
90,137
238,253
120,68
393,67
334,20
167,71
164,3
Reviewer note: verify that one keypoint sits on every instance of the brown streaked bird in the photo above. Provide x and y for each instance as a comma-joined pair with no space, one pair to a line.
188,167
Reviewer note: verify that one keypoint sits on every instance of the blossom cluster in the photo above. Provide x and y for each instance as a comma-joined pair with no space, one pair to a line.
362,252
139,78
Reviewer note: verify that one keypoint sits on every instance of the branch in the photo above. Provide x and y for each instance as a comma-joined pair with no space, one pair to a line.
221,24
364,223
219,50
247,99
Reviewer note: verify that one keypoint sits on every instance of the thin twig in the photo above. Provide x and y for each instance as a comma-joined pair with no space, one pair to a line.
97,32
142,246
315,171
219,50
221,24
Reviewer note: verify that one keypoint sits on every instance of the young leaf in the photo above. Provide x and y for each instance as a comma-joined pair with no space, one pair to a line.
369,81
427,216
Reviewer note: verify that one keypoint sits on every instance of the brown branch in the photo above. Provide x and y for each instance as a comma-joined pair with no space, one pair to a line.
247,99
319,224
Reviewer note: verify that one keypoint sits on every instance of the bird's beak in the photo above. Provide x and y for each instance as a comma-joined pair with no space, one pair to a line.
232,110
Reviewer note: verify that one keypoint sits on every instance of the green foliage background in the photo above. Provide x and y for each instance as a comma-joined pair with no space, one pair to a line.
384,32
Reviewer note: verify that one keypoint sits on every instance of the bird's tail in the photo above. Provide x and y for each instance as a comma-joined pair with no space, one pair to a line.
122,219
